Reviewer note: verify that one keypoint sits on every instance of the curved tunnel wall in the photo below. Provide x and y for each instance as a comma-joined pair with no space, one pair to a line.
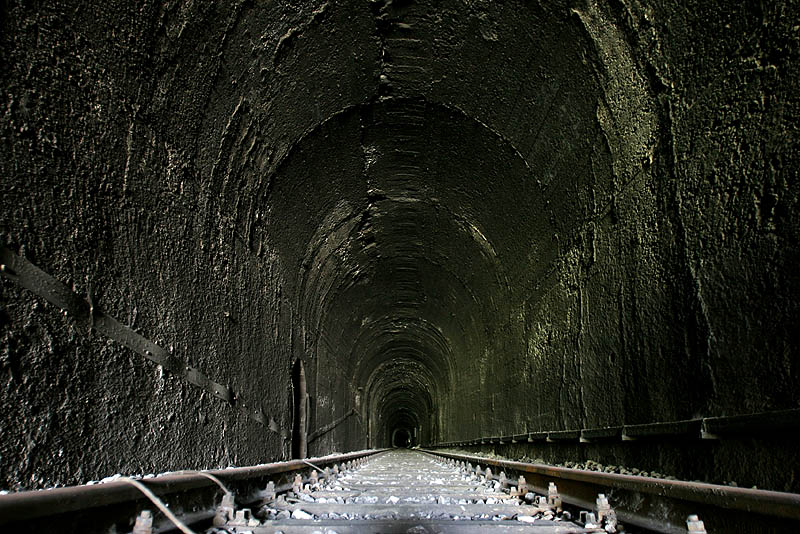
466,218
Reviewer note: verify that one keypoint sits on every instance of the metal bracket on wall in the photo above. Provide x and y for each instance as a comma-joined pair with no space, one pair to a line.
85,314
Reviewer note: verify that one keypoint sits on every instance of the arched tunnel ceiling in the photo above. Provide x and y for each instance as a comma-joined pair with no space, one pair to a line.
471,217
425,196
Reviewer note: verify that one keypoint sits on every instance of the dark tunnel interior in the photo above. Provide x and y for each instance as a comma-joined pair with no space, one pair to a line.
401,438
397,223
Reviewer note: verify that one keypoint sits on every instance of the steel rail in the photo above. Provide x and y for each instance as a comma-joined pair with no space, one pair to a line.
113,502
657,504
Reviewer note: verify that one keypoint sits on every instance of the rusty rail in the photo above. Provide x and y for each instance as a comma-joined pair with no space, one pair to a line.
659,505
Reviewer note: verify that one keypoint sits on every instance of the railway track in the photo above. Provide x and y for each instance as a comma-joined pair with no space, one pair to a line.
399,491
646,504
405,491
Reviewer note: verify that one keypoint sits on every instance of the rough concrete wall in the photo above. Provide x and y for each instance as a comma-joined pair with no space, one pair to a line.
707,232
135,163
100,189
675,298
734,125
675,303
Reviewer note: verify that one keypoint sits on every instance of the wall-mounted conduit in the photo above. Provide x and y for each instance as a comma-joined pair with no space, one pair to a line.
85,314
748,425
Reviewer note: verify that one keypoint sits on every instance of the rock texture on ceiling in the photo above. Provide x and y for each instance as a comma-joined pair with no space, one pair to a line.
466,218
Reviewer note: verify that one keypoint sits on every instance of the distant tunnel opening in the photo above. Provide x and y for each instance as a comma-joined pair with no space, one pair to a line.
401,438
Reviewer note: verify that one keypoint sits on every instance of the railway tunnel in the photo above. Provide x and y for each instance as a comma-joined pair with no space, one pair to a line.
241,232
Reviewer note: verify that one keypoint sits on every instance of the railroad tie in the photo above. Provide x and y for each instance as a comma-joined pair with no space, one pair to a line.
411,492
